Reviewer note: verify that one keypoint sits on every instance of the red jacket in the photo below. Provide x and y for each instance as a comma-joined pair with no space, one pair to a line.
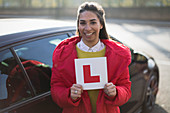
63,77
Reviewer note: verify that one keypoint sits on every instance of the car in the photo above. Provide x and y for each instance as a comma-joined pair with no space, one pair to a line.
26,48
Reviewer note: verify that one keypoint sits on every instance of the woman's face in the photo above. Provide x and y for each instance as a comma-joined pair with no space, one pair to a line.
89,27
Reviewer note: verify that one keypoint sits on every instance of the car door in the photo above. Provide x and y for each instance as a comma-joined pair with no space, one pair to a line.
138,70
36,59
10,83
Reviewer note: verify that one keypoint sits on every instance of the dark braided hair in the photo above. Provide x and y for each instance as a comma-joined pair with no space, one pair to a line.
99,11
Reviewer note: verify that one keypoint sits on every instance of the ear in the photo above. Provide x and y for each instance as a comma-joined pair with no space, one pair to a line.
77,32
101,26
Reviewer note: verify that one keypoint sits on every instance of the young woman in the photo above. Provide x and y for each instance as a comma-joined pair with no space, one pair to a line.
92,41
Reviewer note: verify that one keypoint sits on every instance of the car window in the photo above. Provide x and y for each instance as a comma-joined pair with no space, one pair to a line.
37,60
74,33
40,50
13,86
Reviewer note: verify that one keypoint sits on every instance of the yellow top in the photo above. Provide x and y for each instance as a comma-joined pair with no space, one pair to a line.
93,94
83,54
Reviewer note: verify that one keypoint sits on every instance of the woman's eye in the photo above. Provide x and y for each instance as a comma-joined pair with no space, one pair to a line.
82,23
93,23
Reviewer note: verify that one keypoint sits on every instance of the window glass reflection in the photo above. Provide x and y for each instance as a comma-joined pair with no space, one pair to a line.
36,58
13,86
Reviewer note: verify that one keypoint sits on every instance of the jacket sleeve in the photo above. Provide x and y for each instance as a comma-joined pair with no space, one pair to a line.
59,91
123,85
123,88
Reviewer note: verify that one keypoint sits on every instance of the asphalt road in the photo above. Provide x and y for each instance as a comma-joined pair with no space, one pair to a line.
151,37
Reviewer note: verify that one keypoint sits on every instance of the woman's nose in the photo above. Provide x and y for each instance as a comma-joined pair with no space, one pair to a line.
87,27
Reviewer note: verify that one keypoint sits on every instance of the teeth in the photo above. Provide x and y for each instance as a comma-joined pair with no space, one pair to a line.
89,34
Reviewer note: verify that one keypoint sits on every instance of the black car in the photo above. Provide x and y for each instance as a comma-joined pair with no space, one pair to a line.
26,61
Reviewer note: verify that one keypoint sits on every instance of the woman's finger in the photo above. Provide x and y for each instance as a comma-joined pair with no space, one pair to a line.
110,89
76,91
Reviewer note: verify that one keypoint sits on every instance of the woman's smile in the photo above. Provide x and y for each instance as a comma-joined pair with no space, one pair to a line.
88,35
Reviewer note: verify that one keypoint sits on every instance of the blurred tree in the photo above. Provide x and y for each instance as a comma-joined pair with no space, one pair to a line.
76,3
142,3
134,3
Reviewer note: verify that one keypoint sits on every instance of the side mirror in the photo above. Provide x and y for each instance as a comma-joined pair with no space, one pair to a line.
139,58
151,64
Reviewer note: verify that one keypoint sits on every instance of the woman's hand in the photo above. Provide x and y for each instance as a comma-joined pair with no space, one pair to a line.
76,91
110,89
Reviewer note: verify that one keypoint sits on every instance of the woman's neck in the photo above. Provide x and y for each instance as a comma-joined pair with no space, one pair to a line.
91,44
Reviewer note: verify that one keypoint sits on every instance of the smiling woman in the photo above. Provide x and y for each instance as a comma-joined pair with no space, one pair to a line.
92,42
89,28
97,11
